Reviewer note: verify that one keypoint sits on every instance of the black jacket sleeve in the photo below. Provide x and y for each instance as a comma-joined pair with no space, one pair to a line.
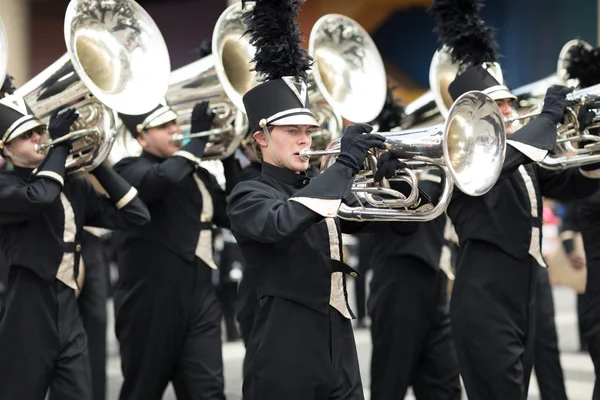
565,185
123,210
256,213
153,180
20,203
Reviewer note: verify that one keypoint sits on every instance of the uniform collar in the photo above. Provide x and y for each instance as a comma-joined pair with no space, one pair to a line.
22,172
151,157
285,175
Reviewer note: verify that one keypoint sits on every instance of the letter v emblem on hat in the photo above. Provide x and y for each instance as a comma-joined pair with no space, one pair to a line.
16,103
297,87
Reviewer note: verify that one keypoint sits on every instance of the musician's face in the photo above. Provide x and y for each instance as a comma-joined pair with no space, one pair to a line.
21,150
505,106
158,140
284,147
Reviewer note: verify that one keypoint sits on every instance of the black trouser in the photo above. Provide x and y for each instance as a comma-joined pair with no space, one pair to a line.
227,289
492,313
168,323
547,366
296,353
590,318
246,305
92,307
42,341
410,329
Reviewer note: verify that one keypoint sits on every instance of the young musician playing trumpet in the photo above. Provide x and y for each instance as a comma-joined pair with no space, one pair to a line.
42,214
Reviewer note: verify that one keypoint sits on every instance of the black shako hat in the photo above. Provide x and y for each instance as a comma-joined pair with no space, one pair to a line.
16,118
161,114
471,44
282,99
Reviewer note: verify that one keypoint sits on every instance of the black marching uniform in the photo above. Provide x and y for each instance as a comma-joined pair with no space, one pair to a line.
588,217
168,317
42,213
408,305
493,305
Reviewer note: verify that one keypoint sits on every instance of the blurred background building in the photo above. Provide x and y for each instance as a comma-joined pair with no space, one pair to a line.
530,33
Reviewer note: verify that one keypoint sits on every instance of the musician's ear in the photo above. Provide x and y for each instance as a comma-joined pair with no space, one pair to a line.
141,138
260,138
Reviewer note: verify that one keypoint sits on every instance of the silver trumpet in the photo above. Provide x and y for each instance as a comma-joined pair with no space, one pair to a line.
116,61
567,154
468,149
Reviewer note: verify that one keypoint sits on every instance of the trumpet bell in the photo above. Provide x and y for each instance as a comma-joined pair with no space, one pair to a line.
118,52
349,74
474,143
116,61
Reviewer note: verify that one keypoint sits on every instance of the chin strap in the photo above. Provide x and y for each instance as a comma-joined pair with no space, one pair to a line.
270,142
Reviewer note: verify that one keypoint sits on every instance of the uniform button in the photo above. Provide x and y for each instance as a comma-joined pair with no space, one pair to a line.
78,247
354,274
304,182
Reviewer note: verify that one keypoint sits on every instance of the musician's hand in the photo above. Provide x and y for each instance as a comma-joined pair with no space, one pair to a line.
355,143
202,117
555,102
60,125
387,166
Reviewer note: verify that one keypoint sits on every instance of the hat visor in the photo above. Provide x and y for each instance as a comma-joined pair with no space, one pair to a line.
167,116
27,126
499,92
300,119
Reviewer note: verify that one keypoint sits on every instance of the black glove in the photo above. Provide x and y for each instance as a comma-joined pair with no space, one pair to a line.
387,166
585,117
355,144
555,102
202,118
60,125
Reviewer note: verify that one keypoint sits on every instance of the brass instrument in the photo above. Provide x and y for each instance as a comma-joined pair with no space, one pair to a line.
468,149
116,61
567,155
222,78
3,52
348,79
532,94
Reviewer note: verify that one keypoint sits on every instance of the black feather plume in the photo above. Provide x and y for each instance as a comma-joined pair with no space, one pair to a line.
391,114
205,48
274,32
7,87
584,65
460,27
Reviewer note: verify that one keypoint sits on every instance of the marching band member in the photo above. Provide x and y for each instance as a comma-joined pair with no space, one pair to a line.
168,317
301,345
408,303
586,214
42,214
493,305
